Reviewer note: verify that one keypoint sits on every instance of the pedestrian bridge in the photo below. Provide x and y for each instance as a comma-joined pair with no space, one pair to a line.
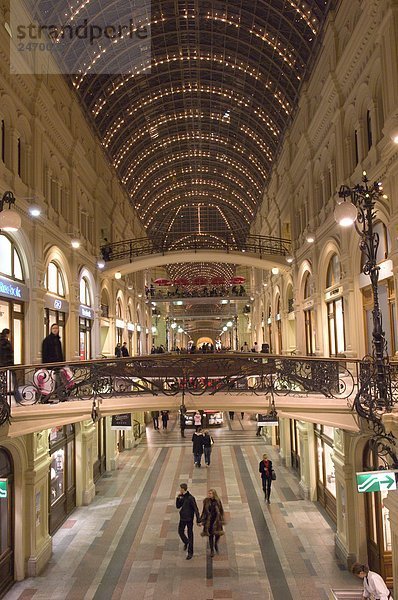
319,390
128,256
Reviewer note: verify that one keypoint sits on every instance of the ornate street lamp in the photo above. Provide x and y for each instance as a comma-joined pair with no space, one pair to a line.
374,397
9,219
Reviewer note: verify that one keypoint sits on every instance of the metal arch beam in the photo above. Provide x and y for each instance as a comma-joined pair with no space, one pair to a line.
173,122
210,256
185,160
244,99
222,155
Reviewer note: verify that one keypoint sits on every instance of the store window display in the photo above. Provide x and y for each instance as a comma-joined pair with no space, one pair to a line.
56,306
62,476
326,478
13,293
335,307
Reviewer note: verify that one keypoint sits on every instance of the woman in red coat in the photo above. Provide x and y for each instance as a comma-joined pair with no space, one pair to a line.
212,519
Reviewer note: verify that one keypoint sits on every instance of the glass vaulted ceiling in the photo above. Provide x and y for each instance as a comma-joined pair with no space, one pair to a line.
194,130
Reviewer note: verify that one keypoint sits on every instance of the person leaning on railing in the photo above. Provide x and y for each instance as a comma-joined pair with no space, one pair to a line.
373,584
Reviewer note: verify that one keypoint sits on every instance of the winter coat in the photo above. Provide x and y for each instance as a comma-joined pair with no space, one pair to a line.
212,517
51,350
188,507
124,352
207,439
6,352
197,443
266,473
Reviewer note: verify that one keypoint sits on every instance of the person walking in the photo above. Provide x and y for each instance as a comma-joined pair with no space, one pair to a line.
188,508
6,349
207,446
197,447
231,414
242,415
212,519
155,419
51,348
373,584
124,351
165,418
197,420
265,468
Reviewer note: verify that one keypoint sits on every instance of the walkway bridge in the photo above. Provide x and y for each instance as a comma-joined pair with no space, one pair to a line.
301,387
254,250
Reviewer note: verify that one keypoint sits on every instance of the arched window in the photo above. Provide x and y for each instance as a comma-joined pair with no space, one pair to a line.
369,129
104,304
290,300
85,297
119,310
307,286
10,264
54,280
333,275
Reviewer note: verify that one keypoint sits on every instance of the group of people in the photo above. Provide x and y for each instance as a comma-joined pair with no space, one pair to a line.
202,443
121,350
158,349
212,519
255,348
155,418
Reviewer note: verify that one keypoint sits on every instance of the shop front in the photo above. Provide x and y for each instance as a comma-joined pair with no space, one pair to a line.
6,521
56,308
86,319
62,475
13,295
326,480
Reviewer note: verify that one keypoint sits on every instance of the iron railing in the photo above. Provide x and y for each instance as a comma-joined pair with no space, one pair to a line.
168,242
171,374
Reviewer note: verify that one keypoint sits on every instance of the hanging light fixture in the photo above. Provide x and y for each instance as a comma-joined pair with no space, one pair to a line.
9,219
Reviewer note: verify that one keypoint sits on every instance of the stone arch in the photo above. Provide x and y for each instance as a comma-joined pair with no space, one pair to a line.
305,267
85,272
18,452
330,247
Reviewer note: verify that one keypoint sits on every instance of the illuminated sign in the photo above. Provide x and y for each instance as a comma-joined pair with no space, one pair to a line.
130,326
3,488
267,421
86,313
120,323
377,481
56,303
10,289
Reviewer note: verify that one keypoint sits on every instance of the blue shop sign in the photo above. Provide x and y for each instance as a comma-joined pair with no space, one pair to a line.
56,303
11,289
86,313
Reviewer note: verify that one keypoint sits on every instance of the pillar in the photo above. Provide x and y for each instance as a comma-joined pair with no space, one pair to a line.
284,442
346,539
391,502
37,499
306,443
85,487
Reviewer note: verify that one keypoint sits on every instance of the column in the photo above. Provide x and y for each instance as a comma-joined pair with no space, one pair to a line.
391,502
85,487
346,497
112,454
284,442
306,442
37,502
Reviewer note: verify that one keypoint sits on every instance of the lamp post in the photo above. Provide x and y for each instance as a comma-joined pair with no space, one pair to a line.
9,220
374,397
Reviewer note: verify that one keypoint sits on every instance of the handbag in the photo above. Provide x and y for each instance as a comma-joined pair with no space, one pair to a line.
273,475
211,441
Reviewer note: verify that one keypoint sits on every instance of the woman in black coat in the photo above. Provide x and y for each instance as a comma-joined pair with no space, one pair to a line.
265,468
6,351
212,519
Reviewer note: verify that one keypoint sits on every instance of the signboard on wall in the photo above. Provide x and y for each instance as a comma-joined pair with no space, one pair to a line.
3,488
377,481
11,289
56,303
85,312
121,422
267,421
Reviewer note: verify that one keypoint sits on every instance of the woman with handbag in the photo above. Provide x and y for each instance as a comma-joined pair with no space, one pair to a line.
267,476
212,519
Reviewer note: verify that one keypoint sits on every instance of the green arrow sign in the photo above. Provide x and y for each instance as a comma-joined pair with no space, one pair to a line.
3,488
377,481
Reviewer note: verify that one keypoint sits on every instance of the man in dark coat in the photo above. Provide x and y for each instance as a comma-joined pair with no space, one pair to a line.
124,350
51,350
188,508
197,447
265,468
6,350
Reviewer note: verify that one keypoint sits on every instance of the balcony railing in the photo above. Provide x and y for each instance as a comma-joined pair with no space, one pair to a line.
234,373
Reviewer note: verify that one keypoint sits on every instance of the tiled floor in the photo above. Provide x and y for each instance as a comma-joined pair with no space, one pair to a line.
125,545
